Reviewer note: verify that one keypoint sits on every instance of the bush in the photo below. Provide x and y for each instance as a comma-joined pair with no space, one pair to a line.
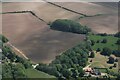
103,34
92,42
117,34
92,55
118,42
3,38
116,53
111,60
98,50
115,65
104,41
106,51
97,41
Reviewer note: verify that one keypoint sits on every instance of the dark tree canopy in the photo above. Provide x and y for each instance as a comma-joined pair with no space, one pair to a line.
69,26
111,60
118,42
92,55
104,40
68,64
117,34
106,51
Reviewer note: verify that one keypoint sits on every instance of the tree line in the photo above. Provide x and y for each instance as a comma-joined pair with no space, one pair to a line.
69,64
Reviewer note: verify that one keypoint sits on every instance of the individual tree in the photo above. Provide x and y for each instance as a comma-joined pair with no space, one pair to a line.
106,51
27,64
111,60
116,53
104,40
75,73
97,41
92,55
18,71
92,42
118,42
116,60
117,34
3,38
81,71
98,50
115,65
66,73
6,71
59,67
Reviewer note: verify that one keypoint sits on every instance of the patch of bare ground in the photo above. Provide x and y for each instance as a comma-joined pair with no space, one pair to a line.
35,39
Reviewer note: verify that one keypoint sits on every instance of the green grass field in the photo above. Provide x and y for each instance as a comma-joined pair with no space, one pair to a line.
111,42
100,61
32,73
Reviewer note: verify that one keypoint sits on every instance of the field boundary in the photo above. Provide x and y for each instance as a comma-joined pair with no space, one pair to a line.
31,12
62,7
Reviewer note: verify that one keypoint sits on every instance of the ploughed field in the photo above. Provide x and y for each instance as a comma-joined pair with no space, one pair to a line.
43,10
35,39
49,13
105,23
41,44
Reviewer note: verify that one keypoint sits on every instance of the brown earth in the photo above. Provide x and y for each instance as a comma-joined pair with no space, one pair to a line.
49,13
102,24
106,23
43,10
34,38
41,44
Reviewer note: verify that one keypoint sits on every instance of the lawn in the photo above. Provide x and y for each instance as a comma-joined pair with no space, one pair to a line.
111,42
32,73
100,61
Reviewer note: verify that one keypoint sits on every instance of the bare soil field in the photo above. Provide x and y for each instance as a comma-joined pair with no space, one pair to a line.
34,38
41,44
43,10
49,13
102,24
108,22
87,7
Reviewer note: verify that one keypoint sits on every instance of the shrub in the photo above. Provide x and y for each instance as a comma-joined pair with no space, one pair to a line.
104,40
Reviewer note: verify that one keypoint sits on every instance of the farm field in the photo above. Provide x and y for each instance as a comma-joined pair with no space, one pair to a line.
49,13
35,39
101,23
86,7
43,10
34,35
